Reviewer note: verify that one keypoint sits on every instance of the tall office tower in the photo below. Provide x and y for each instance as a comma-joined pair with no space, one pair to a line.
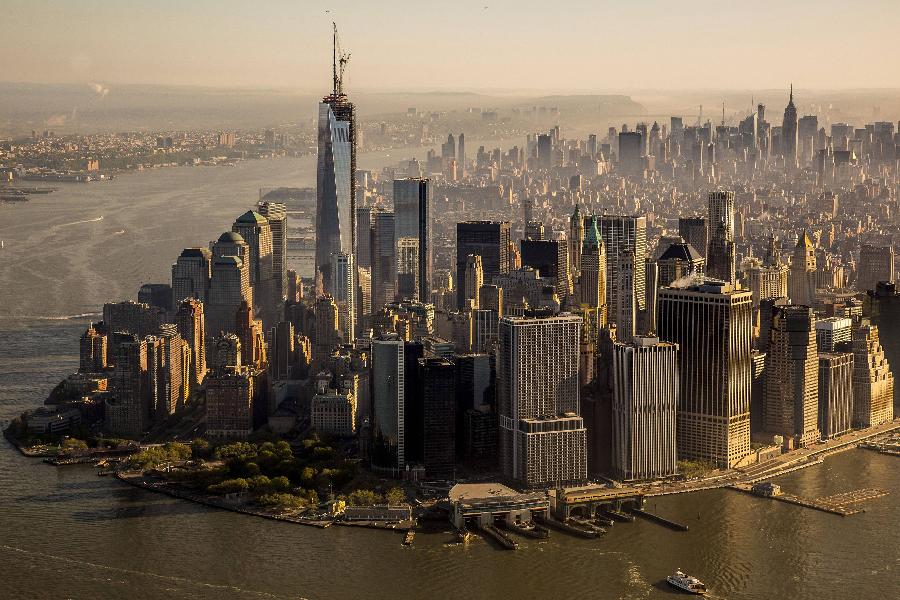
711,323
545,150
191,274
229,287
364,300
645,399
789,134
695,232
625,309
720,257
647,318
873,381
630,160
282,344
191,323
384,260
802,277
641,128
622,234
294,288
767,309
130,317
156,294
791,406
488,239
252,335
476,433
676,128
344,294
461,153
473,279
92,351
229,404
328,335
276,215
721,210
412,207
164,363
448,149
542,436
255,230
437,391
876,263
835,393
592,266
335,189
127,411
389,403
757,391
834,334
576,241
680,261
534,230
486,319
225,353
551,259
365,218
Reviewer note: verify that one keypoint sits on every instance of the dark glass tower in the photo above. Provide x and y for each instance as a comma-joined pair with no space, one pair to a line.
335,189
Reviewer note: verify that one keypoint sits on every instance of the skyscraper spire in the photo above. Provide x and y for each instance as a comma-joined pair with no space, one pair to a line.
334,76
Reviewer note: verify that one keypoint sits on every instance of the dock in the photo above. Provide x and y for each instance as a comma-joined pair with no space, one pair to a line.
506,542
658,519
567,528
837,504
618,516
533,531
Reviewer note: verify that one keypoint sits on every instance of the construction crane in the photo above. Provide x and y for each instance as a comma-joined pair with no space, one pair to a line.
339,63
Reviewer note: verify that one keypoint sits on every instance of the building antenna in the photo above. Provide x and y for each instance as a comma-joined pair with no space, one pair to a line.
339,62
723,113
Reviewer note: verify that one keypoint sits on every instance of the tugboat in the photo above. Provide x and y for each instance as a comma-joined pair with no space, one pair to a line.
688,583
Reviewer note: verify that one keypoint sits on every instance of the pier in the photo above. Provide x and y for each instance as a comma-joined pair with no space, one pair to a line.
567,527
658,519
837,504
498,536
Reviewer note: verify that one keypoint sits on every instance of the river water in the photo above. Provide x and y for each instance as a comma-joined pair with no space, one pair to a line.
66,533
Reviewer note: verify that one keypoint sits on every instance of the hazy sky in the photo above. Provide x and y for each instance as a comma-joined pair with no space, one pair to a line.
563,45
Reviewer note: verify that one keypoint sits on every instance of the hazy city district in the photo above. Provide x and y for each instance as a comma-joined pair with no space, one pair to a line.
494,344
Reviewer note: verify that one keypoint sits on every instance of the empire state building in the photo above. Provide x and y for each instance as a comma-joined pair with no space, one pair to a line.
789,133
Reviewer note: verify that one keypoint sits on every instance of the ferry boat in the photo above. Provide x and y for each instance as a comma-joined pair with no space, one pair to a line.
688,583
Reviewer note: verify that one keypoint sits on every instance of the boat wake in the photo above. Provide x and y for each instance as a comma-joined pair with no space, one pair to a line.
171,578
52,317
100,218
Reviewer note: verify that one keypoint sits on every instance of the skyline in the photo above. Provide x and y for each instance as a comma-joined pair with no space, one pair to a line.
605,48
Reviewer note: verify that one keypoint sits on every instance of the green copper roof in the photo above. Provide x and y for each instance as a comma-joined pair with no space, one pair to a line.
251,216
592,235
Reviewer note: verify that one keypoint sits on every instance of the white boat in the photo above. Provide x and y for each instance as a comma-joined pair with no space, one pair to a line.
688,583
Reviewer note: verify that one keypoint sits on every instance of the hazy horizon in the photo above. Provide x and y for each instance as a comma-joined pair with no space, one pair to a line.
489,46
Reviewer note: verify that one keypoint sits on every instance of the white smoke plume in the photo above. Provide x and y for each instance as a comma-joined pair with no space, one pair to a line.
99,89
692,278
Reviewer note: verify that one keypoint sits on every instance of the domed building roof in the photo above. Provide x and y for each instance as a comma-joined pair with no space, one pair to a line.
231,237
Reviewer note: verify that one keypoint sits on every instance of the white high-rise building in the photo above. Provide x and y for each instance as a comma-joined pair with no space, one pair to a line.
645,399
344,294
543,441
